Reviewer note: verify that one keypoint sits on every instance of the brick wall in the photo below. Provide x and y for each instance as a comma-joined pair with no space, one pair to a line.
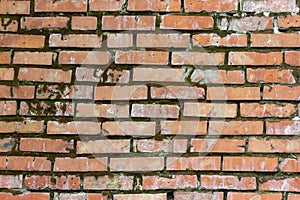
149,99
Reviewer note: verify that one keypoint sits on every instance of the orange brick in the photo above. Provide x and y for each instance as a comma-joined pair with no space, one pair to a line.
158,74
289,22
142,57
198,195
108,182
175,182
141,23
254,58
60,6
7,144
80,196
9,25
119,40
292,58
213,110
7,74
33,58
212,39
251,164
154,5
198,58
218,146
282,128
155,111
266,110
210,6
194,163
52,23
106,5
103,146
8,108
186,22
235,128
280,92
30,126
84,23
16,7
136,164
177,92
44,75
22,41
75,40
140,196
102,110
274,146
270,76
218,76
238,196
80,164
227,182
25,163
286,185
136,92
73,128
290,165
23,92
32,195
183,127
275,40
83,57
293,196
5,58
46,145
230,93
122,128
171,40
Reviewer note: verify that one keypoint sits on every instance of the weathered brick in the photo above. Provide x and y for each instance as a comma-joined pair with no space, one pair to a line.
254,58
117,76
162,196
119,40
108,182
135,92
42,108
280,92
198,195
136,164
7,74
289,21
142,57
154,5
44,75
106,5
266,110
22,41
7,144
80,164
122,128
30,126
167,146
75,40
212,110
227,182
218,76
174,182
252,23
218,146
54,182
24,196
16,7
183,127
186,22
275,40
290,165
60,6
79,196
269,6
177,92
37,23
73,128
9,25
155,111
171,40
270,76
283,128
103,146
8,108
233,93
251,164
46,145
198,58
212,39
87,74
158,75
210,6
194,163
84,23
33,58
102,110
5,58
83,58
235,128
141,23
25,163
292,58
10,182
286,185
238,196
274,146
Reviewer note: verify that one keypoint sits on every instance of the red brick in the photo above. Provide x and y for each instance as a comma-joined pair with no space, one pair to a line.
102,110
293,197
171,40
212,39
218,76
254,58
269,6
75,40
183,127
197,58
22,41
250,196
106,5
136,164
275,40
174,182
210,6
84,23
266,110
10,181
33,58
5,58
235,128
283,128
227,182
286,185
30,126
218,145
42,108
8,108
194,163
270,76
9,25
212,110
154,5
233,93
7,144
162,196
117,76
52,23
73,128
252,23
135,92
158,75
274,146
103,146
290,165
5,92
22,163
60,6
250,164
54,182
141,23
142,57
114,182
7,74
23,92
80,164
16,7
166,145
123,128
186,22
44,75
155,111
83,57
32,195
198,195
177,92
79,196
280,92
289,21
292,58
46,145
119,40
